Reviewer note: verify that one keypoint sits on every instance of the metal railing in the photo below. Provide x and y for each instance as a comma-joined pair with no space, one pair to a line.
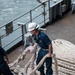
10,29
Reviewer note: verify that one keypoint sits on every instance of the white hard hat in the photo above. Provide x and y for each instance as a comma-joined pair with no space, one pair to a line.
32,26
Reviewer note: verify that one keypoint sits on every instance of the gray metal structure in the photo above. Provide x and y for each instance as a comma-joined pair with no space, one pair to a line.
11,29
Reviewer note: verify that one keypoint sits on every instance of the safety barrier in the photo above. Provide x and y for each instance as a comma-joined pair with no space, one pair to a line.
13,31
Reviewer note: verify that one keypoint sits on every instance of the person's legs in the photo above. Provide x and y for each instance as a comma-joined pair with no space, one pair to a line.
0,69
5,69
40,56
41,69
49,70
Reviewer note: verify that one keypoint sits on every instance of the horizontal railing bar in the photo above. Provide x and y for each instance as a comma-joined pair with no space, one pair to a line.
2,36
42,21
27,22
15,19
34,18
37,16
39,5
21,15
12,41
16,29
35,7
47,18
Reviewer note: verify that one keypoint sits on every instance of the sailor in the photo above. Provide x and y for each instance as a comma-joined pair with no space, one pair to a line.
4,68
45,48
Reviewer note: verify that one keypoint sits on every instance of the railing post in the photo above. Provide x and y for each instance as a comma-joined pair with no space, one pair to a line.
23,32
44,13
0,40
30,15
49,9
23,29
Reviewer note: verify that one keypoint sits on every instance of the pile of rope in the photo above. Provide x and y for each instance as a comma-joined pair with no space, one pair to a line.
61,48
64,49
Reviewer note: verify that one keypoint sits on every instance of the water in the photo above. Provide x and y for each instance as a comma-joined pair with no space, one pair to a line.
10,9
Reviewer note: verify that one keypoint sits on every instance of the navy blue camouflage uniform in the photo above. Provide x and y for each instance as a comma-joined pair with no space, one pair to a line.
43,41
4,68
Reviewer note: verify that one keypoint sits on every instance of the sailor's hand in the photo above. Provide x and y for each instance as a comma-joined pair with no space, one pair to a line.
49,55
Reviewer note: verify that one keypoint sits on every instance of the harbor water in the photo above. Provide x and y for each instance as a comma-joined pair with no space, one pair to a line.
11,9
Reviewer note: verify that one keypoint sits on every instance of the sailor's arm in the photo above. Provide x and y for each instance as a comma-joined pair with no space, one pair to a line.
50,50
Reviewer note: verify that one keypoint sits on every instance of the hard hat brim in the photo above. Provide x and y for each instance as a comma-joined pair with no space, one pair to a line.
33,28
